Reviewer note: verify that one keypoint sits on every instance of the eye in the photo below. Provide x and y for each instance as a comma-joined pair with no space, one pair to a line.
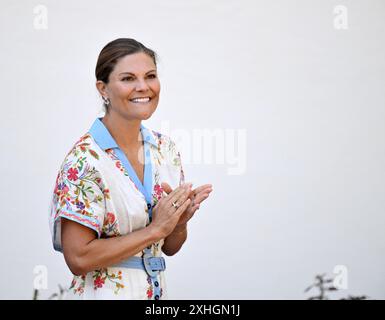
129,78
152,76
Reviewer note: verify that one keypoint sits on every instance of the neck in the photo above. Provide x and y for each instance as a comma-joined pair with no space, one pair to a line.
125,132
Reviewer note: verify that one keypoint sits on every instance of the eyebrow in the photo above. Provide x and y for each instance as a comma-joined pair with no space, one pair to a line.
134,74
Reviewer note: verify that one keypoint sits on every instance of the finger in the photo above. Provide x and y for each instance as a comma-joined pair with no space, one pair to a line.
183,197
183,207
166,187
172,198
177,190
165,199
197,200
202,191
205,191
201,197
203,187
192,208
177,193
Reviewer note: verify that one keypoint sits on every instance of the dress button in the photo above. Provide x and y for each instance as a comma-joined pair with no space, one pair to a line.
156,283
148,206
156,297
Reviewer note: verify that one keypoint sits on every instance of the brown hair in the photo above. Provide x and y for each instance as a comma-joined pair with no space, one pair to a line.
114,51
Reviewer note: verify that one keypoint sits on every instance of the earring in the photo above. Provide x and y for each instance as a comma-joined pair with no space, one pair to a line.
106,101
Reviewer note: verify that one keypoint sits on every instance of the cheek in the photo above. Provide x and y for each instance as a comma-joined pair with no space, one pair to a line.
123,90
156,87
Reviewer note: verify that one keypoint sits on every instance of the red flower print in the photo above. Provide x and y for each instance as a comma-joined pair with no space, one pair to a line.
158,190
110,217
72,174
118,164
149,292
98,282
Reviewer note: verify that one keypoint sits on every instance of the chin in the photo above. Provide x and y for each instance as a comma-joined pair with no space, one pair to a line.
145,115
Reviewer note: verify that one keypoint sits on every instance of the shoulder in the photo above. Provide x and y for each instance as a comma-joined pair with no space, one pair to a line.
164,141
159,137
81,161
84,148
167,147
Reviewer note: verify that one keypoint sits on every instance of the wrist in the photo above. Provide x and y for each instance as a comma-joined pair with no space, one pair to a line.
154,234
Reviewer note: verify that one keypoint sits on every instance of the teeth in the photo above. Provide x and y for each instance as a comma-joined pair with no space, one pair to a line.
141,99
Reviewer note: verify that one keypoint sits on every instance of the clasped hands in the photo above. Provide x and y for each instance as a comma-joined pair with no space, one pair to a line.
178,206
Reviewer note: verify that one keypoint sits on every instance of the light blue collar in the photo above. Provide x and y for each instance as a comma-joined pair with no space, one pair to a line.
104,139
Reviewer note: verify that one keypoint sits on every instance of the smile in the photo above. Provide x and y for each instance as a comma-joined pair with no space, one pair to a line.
141,100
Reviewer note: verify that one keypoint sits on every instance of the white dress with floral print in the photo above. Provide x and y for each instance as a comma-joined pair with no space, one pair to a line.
94,189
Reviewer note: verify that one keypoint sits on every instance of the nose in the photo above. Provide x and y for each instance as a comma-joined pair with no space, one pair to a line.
141,85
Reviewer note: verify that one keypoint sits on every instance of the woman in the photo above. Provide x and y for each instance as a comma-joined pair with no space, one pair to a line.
120,199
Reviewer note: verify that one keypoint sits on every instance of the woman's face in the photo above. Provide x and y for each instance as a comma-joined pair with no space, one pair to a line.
134,76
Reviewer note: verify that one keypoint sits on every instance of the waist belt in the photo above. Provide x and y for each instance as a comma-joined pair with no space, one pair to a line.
147,262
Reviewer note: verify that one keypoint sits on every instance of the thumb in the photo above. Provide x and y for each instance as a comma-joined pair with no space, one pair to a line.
166,187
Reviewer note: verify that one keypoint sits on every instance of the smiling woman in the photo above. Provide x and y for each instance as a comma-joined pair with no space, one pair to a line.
120,199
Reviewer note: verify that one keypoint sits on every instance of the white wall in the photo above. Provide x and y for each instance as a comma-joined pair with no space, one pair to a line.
310,97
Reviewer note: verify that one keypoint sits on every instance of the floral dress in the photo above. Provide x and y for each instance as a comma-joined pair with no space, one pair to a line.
97,188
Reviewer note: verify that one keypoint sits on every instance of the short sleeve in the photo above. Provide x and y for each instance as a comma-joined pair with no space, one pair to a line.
77,196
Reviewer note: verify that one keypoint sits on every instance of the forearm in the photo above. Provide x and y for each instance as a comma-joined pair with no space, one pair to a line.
175,240
100,253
